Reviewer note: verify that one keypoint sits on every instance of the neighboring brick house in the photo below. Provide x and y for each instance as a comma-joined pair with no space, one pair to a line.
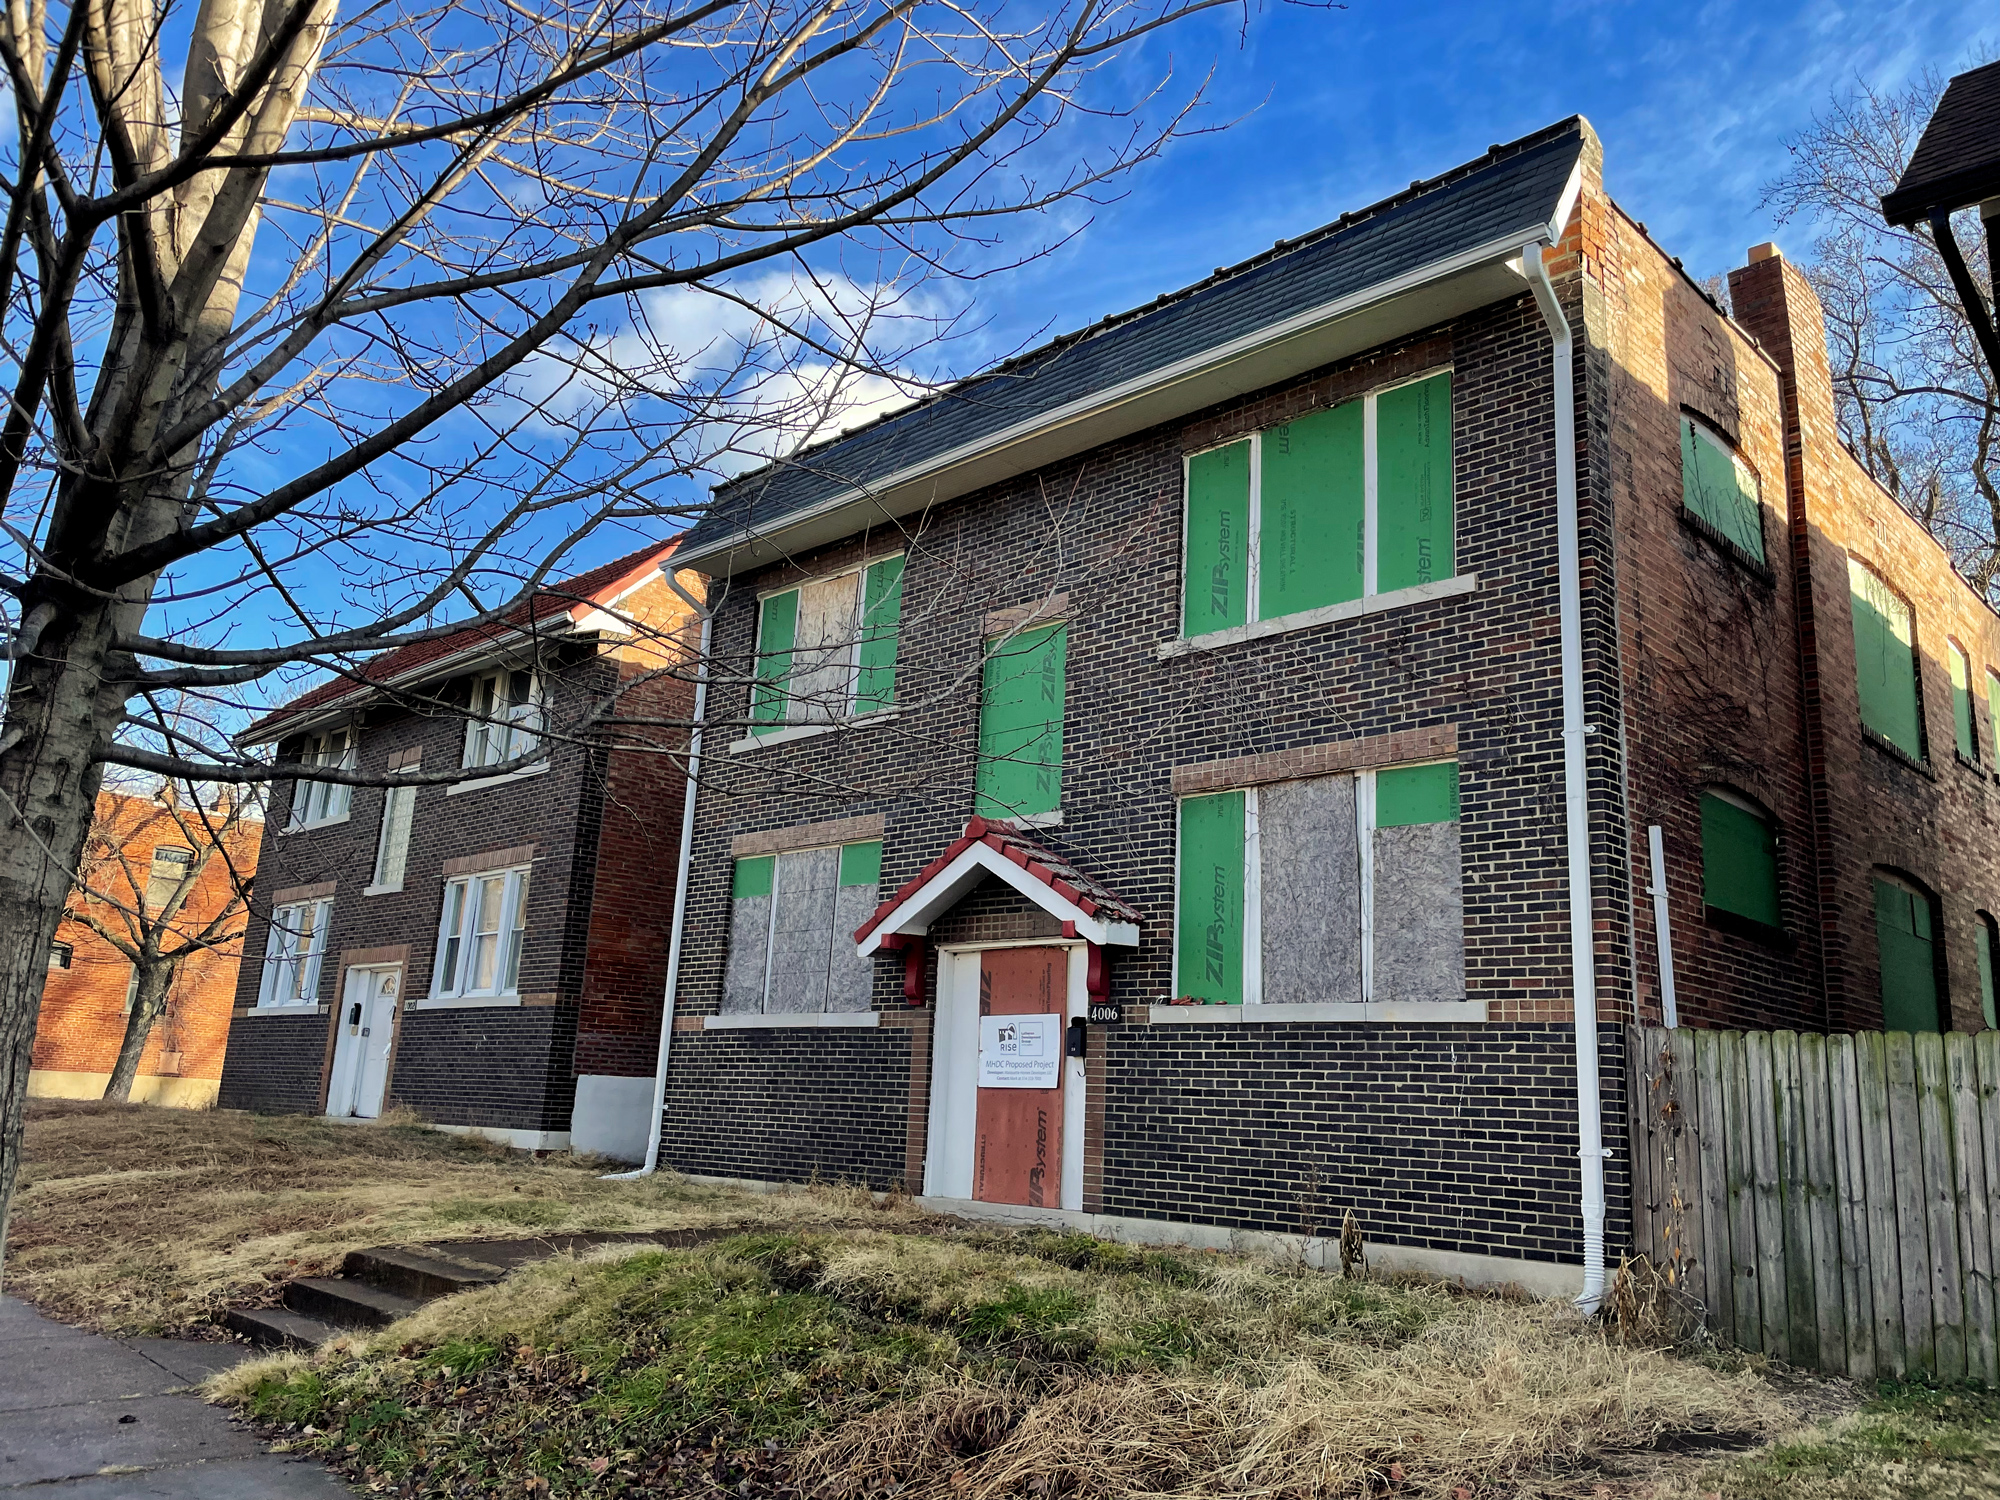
492,951
138,851
1324,643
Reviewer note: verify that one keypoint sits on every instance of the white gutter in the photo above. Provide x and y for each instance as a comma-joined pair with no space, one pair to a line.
1576,811
707,614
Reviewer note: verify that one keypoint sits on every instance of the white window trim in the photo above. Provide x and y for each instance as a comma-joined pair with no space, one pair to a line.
439,998
302,790
846,720
1367,1008
1370,601
475,726
314,956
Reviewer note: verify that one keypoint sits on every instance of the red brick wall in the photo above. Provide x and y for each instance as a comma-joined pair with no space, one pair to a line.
1936,822
83,1007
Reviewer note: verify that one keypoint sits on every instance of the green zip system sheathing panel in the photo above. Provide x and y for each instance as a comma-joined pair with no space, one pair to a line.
1021,724
1218,539
753,876
1909,970
1739,862
1312,505
777,632
1408,795
1716,487
861,864
1210,936
882,607
1885,662
1413,499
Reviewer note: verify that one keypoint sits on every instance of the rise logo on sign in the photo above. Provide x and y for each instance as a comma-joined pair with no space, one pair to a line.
1020,1052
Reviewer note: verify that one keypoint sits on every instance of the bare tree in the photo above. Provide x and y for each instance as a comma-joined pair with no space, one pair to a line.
1916,401
160,887
329,333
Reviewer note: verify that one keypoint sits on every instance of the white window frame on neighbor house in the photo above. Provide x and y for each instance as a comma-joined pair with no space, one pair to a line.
315,804
392,842
291,968
500,727
460,926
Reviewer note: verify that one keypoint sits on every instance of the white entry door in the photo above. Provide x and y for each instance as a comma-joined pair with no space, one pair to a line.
367,1027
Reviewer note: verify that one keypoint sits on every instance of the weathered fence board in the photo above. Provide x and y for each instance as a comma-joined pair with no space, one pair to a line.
1829,1201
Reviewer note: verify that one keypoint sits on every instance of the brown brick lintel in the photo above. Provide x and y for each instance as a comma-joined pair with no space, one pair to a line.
493,859
314,892
807,836
1317,760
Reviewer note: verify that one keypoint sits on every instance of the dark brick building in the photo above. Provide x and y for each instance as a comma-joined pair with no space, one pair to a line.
1194,779
491,951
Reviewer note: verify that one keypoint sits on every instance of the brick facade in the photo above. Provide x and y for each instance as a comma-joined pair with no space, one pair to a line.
83,1016
600,830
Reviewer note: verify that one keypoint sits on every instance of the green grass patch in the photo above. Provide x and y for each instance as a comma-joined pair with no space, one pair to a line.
1911,1442
529,1213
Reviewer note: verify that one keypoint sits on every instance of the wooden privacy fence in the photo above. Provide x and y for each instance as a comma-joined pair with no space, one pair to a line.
1828,1200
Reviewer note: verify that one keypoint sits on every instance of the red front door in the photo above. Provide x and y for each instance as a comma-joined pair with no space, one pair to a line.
1017,1157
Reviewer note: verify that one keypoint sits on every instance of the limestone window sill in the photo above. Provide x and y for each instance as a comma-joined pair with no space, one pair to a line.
1439,1012
1349,609
246,1011
760,1022
381,890
293,828
466,1002
456,787
793,732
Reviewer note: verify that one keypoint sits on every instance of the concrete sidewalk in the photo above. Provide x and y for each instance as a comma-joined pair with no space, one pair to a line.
86,1416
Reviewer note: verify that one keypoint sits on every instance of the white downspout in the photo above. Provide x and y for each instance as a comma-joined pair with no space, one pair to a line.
1663,931
1576,812
680,883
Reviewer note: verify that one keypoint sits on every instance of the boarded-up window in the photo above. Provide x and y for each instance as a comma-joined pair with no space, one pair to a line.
1885,662
1989,960
1739,859
1961,702
1326,890
1334,506
1905,927
1719,489
1993,717
1313,512
826,650
791,931
1021,724
1218,539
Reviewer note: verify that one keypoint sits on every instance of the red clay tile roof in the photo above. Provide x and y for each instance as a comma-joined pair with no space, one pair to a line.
1046,866
594,587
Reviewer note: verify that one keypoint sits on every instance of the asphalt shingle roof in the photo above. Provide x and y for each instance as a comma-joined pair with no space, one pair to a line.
1514,189
1957,161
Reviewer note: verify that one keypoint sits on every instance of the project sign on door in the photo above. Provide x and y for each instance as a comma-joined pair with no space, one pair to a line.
1020,1052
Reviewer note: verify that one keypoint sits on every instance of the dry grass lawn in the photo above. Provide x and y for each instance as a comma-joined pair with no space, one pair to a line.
134,1219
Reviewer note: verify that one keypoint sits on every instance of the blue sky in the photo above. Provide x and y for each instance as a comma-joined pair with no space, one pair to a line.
1694,103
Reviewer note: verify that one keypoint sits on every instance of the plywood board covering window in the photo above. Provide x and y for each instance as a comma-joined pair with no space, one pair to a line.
1324,890
1739,858
1021,699
1885,661
826,650
1720,489
791,931
1334,506
1905,934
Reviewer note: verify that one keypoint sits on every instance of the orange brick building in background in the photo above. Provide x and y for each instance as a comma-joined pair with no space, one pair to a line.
84,1006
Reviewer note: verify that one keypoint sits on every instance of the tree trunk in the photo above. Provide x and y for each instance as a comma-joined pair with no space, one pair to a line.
149,999
61,708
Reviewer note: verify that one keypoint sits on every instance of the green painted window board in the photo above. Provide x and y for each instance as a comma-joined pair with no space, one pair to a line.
1021,725
753,876
1407,795
1885,663
777,632
1739,862
1716,488
1961,704
1909,972
1311,512
1413,485
861,864
881,616
1218,539
1210,936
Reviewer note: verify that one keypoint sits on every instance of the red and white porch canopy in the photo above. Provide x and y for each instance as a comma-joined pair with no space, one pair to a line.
1085,908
